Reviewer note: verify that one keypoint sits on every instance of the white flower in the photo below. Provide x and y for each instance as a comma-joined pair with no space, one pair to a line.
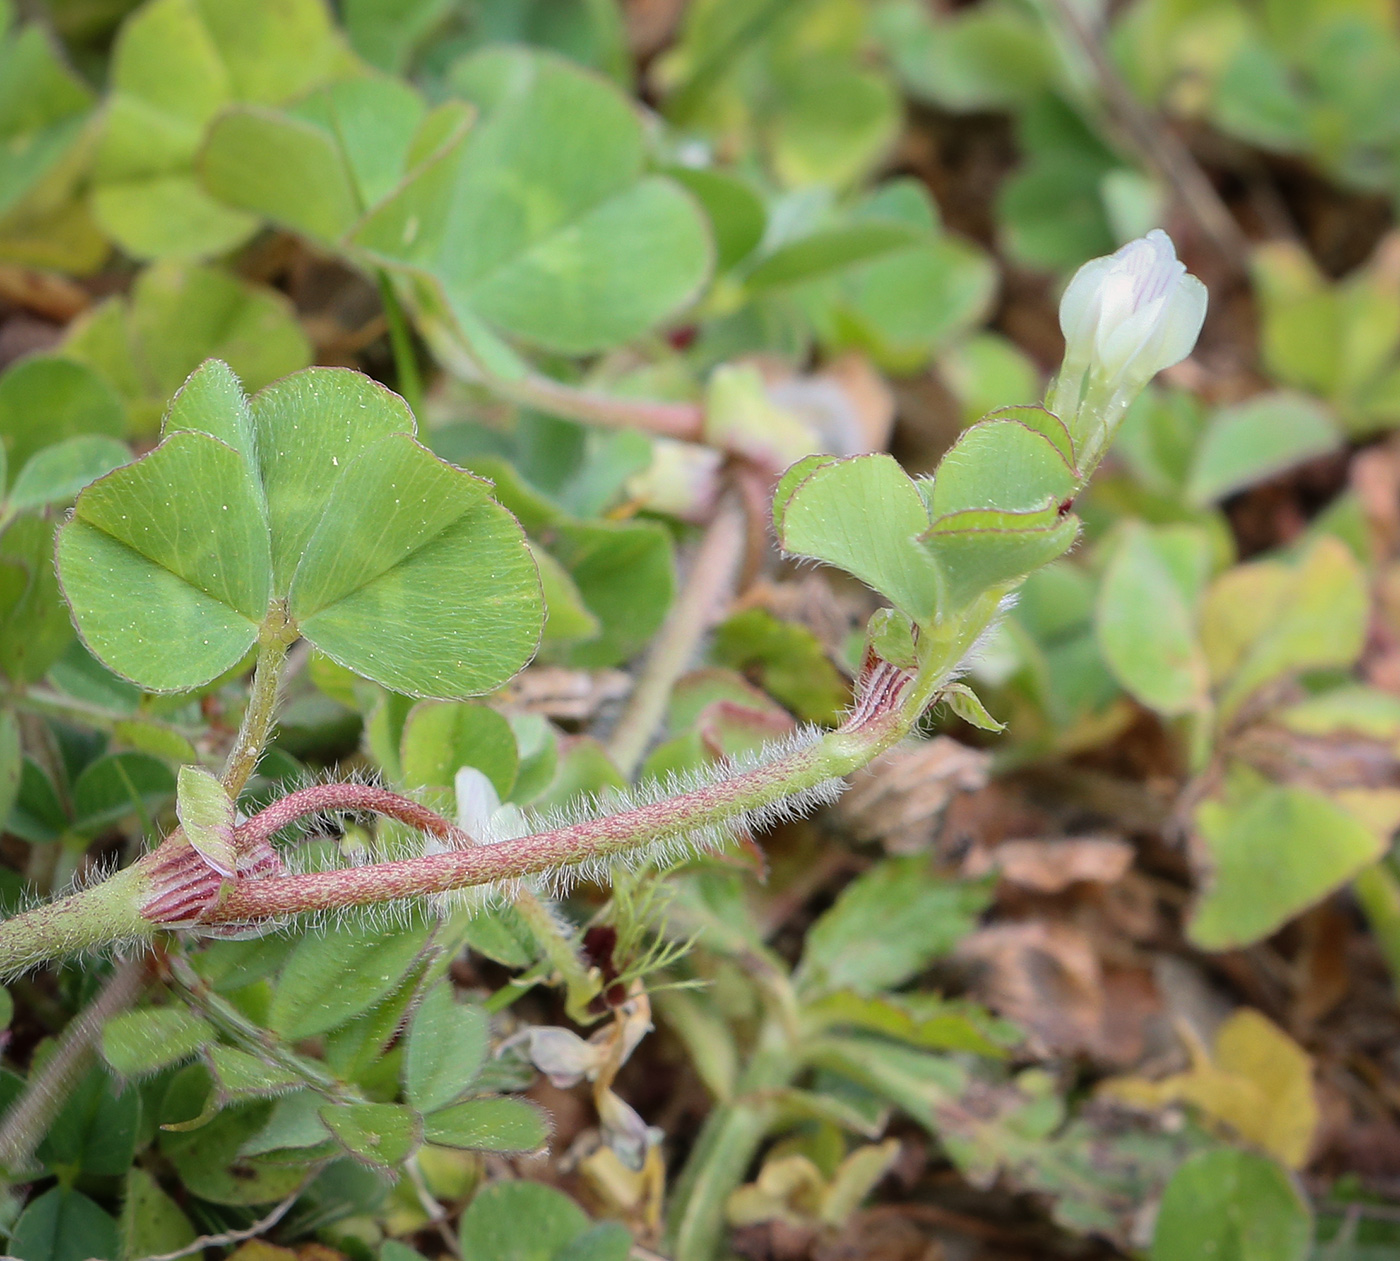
1133,313
480,813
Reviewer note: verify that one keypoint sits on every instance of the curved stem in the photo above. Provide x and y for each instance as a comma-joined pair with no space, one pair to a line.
684,421
40,700
711,578
679,818
321,798
116,910
890,702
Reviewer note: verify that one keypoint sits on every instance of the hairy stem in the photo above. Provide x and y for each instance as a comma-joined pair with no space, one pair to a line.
90,919
26,1123
261,714
628,831
711,579
109,913
321,798
131,906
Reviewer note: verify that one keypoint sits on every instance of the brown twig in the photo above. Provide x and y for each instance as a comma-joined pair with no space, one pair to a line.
232,1236
1160,147
707,586
28,1120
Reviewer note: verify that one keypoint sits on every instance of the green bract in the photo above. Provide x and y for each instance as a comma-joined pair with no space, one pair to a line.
994,511
315,499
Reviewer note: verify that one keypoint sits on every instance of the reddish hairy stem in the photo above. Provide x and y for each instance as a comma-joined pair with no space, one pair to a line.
320,798
187,891
184,887
836,755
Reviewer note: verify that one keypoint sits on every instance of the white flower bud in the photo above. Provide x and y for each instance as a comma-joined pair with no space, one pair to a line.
1125,317
477,801
1135,312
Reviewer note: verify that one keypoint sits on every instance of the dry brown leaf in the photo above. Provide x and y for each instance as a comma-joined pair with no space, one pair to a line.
896,1235
1053,865
1323,973
1045,976
44,293
562,693
899,798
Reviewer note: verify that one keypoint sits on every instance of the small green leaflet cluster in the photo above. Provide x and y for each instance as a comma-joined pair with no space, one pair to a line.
46,140
502,207
173,69
241,1117
943,552
854,1042
353,988
314,500
507,220
1337,340
1308,79
143,345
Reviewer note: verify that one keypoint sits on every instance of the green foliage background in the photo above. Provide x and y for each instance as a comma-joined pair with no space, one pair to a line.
614,270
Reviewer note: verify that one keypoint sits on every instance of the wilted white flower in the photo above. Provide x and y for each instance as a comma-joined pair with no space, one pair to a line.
1125,317
624,1130
562,1056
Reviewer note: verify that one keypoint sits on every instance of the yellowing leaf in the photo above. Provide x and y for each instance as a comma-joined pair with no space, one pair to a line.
792,1189
1258,1083
1376,808
1262,622
1240,604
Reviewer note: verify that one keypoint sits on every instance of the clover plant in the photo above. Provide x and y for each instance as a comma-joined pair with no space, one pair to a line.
310,510
325,707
